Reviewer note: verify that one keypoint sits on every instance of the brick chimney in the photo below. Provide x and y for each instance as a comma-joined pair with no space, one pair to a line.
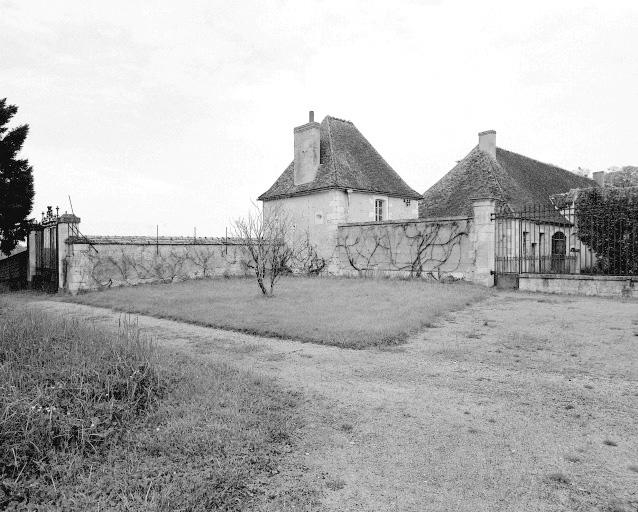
307,149
487,142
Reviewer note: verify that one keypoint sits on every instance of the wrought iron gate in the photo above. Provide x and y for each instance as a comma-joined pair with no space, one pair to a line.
537,239
564,239
46,258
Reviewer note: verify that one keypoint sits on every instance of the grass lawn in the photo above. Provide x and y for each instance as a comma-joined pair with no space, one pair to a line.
345,312
522,402
94,420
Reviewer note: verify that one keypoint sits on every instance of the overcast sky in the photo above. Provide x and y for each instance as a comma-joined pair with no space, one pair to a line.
181,113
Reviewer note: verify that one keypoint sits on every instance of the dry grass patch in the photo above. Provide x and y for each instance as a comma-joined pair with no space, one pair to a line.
351,313
93,420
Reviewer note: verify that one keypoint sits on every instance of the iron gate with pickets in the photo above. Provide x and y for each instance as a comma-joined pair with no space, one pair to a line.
545,239
46,275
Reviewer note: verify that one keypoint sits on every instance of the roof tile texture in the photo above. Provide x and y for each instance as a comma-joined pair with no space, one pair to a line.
510,178
348,161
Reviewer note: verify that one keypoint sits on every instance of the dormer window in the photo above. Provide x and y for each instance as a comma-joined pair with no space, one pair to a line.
379,205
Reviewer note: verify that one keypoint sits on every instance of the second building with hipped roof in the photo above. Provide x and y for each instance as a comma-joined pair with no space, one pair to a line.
510,178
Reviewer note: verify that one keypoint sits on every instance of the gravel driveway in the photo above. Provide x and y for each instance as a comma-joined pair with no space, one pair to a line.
521,402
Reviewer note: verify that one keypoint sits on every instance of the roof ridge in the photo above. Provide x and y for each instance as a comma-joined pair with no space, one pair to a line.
339,119
533,159
492,160
498,183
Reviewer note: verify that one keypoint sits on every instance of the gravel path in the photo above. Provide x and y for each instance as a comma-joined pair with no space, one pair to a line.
481,412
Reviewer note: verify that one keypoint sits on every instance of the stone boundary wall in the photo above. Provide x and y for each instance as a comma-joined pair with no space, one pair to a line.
429,248
13,270
98,262
436,248
579,284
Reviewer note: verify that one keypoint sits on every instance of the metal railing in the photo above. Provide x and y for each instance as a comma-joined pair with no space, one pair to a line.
564,239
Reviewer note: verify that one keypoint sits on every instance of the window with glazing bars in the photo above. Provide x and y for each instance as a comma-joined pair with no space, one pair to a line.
378,209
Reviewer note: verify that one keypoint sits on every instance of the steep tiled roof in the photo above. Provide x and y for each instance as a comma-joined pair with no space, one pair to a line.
511,178
348,160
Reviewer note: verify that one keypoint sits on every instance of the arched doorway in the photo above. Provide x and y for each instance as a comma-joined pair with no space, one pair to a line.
559,252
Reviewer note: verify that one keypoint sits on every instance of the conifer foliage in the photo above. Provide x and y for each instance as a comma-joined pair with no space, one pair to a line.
16,181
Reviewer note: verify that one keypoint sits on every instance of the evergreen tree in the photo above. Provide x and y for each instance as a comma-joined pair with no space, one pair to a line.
16,181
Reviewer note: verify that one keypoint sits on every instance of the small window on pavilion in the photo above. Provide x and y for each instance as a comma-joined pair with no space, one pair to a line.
378,209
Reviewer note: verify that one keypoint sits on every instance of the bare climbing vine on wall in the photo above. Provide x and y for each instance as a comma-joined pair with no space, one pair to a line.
417,248
306,259
132,265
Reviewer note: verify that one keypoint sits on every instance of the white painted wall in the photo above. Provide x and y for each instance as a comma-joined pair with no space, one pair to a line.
316,215
360,207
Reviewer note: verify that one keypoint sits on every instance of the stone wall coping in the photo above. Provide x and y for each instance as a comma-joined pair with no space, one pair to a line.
404,221
150,240
578,277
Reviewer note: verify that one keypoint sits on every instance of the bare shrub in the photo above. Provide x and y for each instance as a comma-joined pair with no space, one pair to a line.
266,239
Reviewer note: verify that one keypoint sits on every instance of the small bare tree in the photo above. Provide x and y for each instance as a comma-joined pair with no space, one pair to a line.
266,239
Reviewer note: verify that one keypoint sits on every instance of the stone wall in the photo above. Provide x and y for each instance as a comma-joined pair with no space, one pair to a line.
435,248
578,284
95,263
13,270
455,247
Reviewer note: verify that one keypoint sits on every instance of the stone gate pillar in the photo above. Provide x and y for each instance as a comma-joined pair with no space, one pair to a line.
483,240
67,227
31,258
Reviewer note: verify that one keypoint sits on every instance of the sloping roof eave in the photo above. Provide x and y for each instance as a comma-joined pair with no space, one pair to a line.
265,197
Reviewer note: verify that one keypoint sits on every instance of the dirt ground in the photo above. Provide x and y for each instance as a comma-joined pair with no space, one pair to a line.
521,402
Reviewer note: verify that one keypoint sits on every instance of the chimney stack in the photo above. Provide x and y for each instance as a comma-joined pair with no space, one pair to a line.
307,150
487,142
599,177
